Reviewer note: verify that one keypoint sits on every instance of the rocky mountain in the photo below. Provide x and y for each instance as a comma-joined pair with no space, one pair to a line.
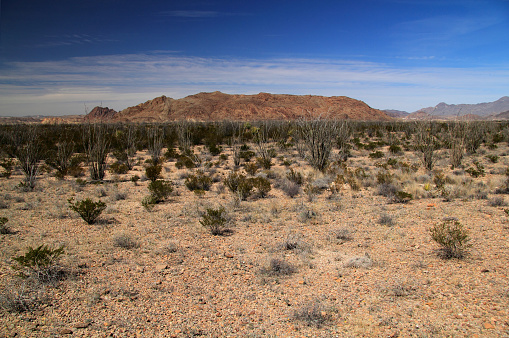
481,109
218,106
100,113
500,116
395,113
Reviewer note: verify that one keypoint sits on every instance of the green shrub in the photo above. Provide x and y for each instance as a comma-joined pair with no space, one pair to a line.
247,155
75,169
493,158
477,171
295,176
184,161
87,209
153,172
262,184
395,149
135,179
148,202
198,181
8,165
452,238
402,197
240,184
265,163
214,149
40,263
119,168
384,177
376,154
3,228
251,168
215,221
160,190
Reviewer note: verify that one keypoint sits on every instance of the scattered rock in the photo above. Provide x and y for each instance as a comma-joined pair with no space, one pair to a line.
488,326
82,325
161,267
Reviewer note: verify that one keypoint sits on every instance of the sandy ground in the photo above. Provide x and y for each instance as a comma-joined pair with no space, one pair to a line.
352,276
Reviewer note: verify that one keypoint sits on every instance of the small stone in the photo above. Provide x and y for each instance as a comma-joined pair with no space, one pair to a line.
82,325
228,255
161,267
65,331
488,326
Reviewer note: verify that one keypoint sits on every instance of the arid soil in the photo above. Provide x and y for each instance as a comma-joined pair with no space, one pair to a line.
347,264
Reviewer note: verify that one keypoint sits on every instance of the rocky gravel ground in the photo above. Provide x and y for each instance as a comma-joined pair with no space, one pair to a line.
324,265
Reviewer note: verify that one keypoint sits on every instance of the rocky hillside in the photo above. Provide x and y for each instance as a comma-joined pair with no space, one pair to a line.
481,109
218,106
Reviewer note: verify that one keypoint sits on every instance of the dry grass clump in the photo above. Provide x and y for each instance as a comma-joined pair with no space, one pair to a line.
386,219
313,314
125,241
357,262
341,235
294,242
20,295
278,267
497,202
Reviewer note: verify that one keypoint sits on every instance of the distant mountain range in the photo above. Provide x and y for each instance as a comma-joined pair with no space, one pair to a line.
219,106
496,110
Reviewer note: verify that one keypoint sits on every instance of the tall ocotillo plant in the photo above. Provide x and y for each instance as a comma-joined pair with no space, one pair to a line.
97,147
155,143
318,135
29,151
426,142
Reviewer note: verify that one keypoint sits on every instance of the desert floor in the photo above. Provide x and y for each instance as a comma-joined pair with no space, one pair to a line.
349,264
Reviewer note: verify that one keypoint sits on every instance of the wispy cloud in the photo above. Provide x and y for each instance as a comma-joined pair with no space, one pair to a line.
119,81
71,39
191,14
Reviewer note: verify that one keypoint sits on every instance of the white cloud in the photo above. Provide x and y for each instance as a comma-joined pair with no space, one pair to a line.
120,81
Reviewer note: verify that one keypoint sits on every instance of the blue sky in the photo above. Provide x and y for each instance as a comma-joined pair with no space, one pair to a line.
61,57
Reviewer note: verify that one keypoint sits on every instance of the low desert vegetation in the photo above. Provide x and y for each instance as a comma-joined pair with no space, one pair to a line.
40,263
250,220
88,210
452,237
215,220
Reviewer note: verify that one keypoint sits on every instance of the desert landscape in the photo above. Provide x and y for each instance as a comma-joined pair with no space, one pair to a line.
310,228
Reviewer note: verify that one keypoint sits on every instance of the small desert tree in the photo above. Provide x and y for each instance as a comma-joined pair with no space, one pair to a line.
60,156
426,142
155,143
29,151
343,134
456,140
475,135
97,145
318,135
261,140
126,145
184,137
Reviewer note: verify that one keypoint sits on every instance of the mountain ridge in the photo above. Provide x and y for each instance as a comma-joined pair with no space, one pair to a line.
217,106
483,110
